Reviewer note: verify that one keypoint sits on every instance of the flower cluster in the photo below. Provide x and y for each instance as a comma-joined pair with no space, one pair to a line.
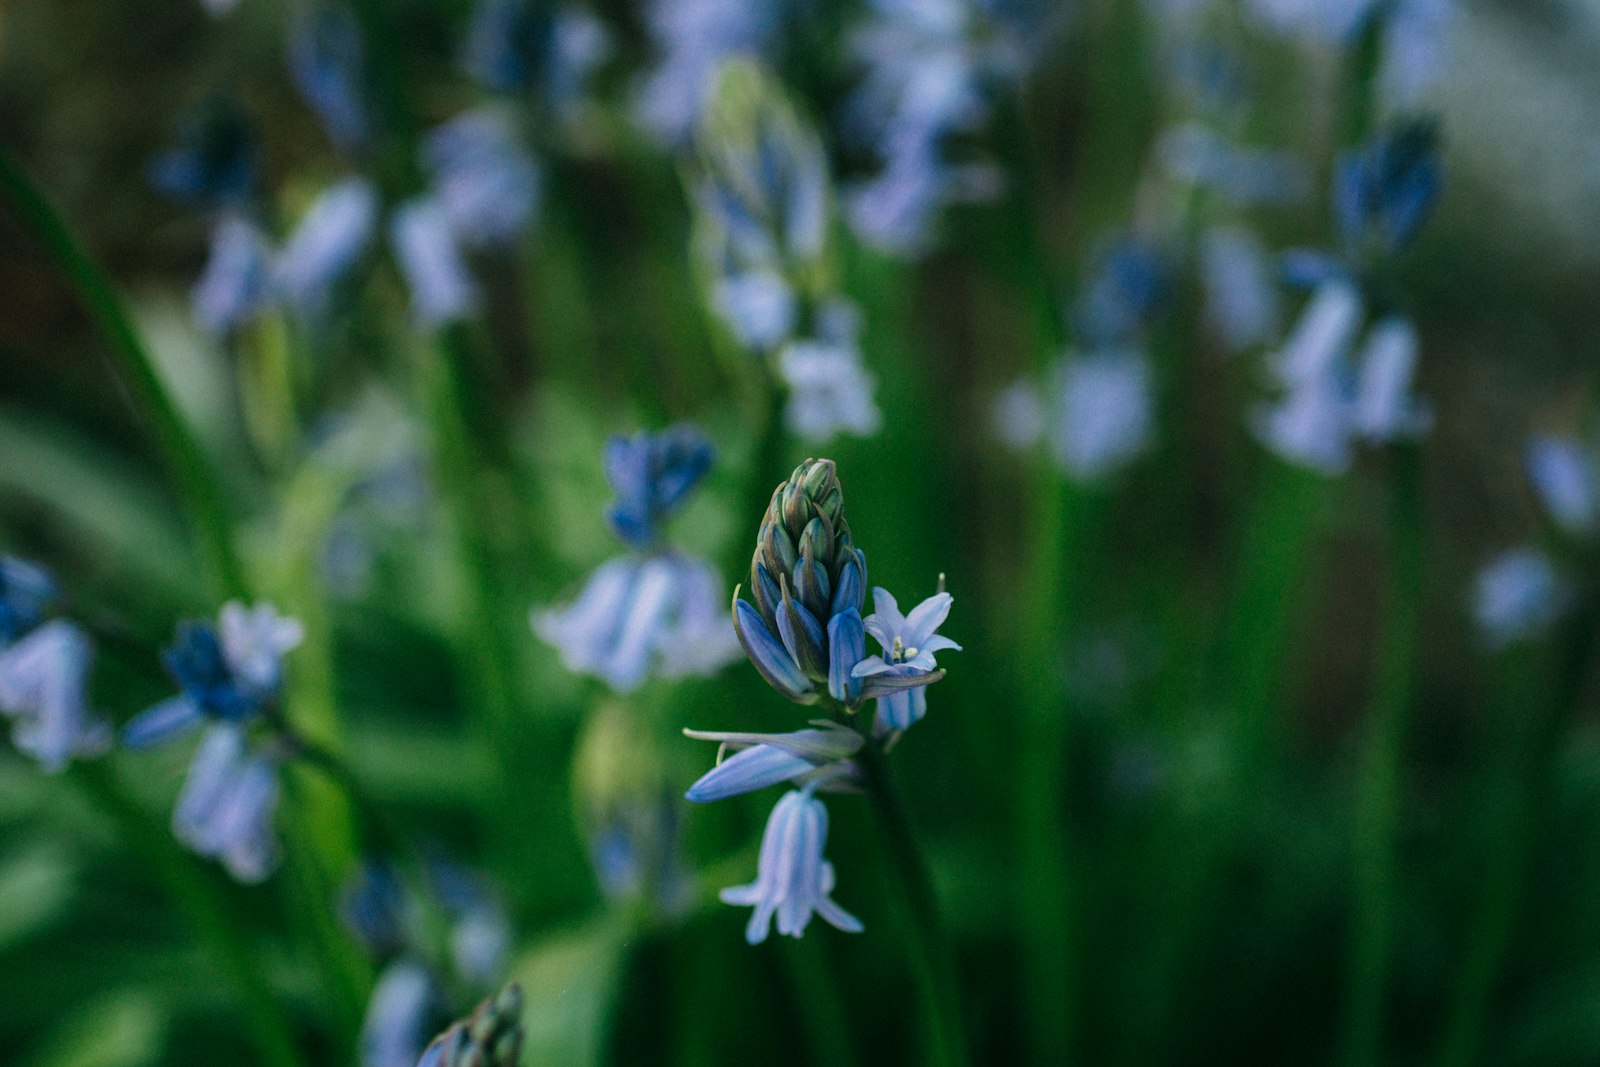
930,68
1094,415
1343,384
763,209
44,672
805,635
447,930
655,611
229,676
694,38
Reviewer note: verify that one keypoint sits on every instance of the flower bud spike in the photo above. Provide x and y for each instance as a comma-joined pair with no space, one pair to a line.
802,635
768,655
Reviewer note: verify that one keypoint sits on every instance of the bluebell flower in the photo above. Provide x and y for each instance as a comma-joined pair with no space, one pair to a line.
1518,596
1414,40
26,591
237,280
44,691
830,392
1106,413
400,1016
1127,282
327,64
226,807
514,45
909,643
758,305
1563,474
1199,156
693,38
819,758
375,908
895,211
1383,408
430,257
483,177
1384,192
653,474
1241,299
643,616
216,159
793,880
230,672
329,240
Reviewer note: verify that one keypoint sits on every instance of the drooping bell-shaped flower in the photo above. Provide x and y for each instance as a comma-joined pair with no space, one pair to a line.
1384,192
326,244
1562,471
484,179
327,64
237,279
820,757
400,1015
1518,596
430,257
226,807
26,591
793,880
44,691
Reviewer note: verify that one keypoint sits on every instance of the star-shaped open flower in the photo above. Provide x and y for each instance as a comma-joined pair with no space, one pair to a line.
909,643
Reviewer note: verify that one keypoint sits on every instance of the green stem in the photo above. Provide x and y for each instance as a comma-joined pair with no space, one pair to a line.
932,964
1378,800
1521,797
198,899
195,479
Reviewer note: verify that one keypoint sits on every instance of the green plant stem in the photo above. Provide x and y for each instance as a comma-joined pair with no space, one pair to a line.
198,899
195,480
1378,790
1521,797
932,964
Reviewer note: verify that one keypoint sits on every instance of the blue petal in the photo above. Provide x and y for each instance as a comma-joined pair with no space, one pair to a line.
847,644
767,654
161,722
746,771
851,592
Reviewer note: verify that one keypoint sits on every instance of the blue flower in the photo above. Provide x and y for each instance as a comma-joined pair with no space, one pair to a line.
521,44
830,392
909,643
226,808
483,178
375,908
26,592
401,1015
328,65
1383,193
216,160
1518,596
694,37
430,257
326,244
1199,156
819,758
1383,408
652,475
1563,475
1241,300
44,690
637,617
759,306
1127,283
231,672
1105,414
793,881
237,279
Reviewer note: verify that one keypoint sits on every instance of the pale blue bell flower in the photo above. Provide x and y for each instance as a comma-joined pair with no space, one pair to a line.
830,391
1518,596
1241,299
326,244
1310,425
400,1015
237,279
1106,413
1562,471
430,257
44,691
484,179
662,616
653,475
1415,40
327,64
694,37
819,758
758,305
793,880
909,643
1384,408
226,807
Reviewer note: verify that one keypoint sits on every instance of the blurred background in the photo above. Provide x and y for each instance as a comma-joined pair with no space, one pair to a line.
1244,759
